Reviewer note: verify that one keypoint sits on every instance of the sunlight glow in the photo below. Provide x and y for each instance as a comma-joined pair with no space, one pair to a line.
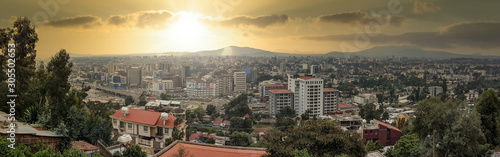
187,32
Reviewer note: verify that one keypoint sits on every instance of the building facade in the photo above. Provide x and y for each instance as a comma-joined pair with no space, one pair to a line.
134,76
240,82
224,85
331,100
279,99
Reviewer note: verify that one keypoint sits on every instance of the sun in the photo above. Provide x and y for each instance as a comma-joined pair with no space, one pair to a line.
187,31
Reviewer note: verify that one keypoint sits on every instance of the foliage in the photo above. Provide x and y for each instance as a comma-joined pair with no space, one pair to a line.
134,151
241,124
129,100
74,153
210,109
240,139
284,124
211,140
305,115
369,112
237,107
58,69
301,153
372,146
287,111
320,138
488,106
117,154
408,145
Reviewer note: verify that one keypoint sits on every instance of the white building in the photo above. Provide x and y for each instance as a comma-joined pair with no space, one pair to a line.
308,95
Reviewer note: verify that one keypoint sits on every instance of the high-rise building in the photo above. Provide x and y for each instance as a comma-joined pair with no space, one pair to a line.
134,76
224,85
309,95
240,82
279,99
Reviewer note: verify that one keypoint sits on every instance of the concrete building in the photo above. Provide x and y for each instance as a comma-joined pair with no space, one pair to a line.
331,100
279,99
365,98
308,95
198,88
134,76
269,85
435,90
240,82
224,85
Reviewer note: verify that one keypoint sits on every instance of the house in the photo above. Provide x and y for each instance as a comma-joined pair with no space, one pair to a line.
217,122
200,137
376,130
221,140
209,150
29,135
147,128
87,148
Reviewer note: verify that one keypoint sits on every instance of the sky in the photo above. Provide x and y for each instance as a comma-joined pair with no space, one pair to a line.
289,26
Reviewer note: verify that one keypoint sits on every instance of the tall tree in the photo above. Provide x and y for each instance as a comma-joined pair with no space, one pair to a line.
58,69
211,109
488,106
240,139
408,145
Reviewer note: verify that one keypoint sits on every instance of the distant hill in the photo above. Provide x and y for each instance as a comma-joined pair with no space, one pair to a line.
379,52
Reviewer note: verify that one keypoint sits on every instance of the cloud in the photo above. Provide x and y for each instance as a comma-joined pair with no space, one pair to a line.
83,21
481,35
259,21
420,8
361,18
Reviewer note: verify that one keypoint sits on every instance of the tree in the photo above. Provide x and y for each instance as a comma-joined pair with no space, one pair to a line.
211,140
372,146
240,139
129,100
320,138
408,145
58,69
211,109
74,153
134,151
488,106
284,124
241,124
287,111
305,115
301,153
142,101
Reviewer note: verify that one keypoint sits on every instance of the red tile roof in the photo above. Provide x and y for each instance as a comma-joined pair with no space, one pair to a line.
306,77
196,136
246,116
343,105
329,90
84,146
227,122
280,91
207,150
217,121
387,125
144,117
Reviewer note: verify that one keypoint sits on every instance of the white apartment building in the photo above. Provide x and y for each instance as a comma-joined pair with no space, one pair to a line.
308,95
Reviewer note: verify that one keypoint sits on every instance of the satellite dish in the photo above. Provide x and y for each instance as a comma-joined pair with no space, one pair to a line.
126,138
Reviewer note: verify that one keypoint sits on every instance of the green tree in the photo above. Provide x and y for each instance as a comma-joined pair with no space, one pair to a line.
211,140
241,124
305,115
372,146
408,145
129,100
488,106
283,124
58,69
301,153
134,151
287,111
211,109
74,153
320,138
240,139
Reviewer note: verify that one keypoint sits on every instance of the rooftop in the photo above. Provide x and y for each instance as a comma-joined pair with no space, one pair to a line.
329,90
208,150
280,91
144,117
306,77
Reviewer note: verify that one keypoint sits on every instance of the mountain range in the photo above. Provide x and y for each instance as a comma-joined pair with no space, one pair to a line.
376,52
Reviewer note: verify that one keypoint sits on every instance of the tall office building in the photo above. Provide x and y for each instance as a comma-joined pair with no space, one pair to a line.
309,94
134,76
224,85
240,82
279,99
331,100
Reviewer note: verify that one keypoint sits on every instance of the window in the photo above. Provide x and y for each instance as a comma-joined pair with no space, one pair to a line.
122,125
114,121
130,126
146,129
167,131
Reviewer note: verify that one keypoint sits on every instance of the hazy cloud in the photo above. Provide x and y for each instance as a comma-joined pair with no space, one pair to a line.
423,7
259,21
83,21
360,18
482,35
